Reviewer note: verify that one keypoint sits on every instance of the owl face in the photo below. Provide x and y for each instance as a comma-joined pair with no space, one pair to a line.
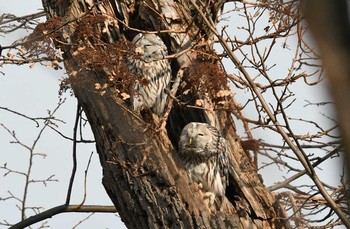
147,46
196,135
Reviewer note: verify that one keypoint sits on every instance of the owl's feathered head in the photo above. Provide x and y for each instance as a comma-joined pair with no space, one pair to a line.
197,137
149,46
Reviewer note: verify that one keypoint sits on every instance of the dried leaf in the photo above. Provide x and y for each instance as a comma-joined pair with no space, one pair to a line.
186,92
199,102
97,86
124,95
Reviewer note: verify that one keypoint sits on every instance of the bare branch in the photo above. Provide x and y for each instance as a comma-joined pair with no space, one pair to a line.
74,152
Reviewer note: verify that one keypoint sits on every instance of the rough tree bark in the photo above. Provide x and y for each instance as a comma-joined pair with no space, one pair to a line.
141,170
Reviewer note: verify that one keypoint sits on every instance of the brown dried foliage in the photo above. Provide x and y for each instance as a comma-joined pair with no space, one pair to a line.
52,28
207,79
108,57
38,45
87,37
91,48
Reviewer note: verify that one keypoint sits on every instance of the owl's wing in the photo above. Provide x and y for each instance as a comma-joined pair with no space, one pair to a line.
223,161
155,72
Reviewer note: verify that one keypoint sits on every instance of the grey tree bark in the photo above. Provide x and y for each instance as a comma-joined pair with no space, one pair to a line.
141,170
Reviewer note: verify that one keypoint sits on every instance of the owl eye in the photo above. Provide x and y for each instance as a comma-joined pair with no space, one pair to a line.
200,134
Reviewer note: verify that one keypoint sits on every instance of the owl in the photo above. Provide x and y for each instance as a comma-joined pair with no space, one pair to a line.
205,155
155,71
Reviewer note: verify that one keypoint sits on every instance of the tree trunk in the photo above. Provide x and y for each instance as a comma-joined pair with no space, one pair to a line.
141,170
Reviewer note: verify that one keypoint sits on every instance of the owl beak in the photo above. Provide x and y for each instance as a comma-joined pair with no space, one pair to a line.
190,140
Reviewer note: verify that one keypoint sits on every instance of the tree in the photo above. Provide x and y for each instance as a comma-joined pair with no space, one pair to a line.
141,171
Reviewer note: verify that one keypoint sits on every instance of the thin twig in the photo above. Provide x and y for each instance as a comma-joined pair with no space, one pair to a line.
300,174
85,180
74,169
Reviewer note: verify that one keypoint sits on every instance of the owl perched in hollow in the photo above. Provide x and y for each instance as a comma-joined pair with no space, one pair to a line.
155,72
205,154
